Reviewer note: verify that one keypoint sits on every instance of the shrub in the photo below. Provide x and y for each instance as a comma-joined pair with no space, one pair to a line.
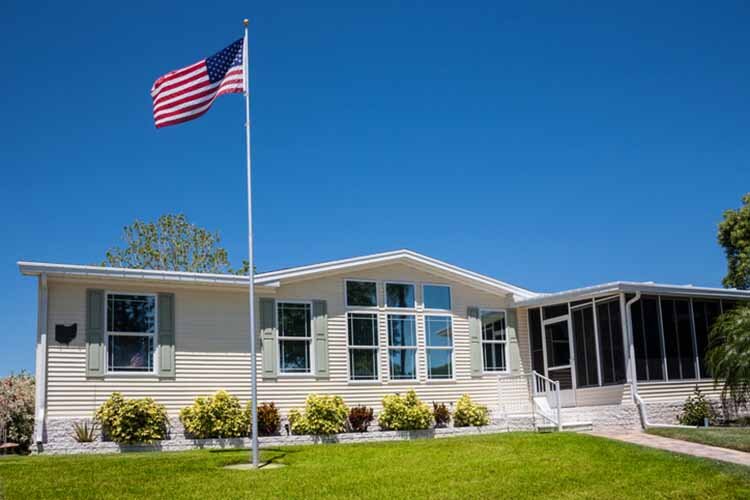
441,414
132,420
695,409
217,416
323,415
469,414
84,431
404,413
268,419
17,408
360,418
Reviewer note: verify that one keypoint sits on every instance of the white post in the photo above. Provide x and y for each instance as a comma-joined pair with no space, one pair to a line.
559,412
250,260
41,362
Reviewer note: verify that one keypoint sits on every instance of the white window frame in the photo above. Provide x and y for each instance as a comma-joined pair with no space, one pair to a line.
394,308
428,348
432,309
154,336
376,348
310,339
363,280
391,348
504,342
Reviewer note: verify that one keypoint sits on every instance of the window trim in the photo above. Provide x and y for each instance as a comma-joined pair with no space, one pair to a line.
432,309
414,348
154,336
427,349
394,308
361,280
310,340
483,342
376,348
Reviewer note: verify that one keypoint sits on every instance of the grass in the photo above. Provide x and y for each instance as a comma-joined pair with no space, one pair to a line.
514,465
735,438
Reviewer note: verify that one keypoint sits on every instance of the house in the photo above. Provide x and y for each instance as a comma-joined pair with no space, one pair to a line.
366,327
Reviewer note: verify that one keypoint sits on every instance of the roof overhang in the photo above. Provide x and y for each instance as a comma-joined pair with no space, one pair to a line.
646,288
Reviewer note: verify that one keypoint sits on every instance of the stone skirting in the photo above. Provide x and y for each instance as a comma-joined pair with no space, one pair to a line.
60,437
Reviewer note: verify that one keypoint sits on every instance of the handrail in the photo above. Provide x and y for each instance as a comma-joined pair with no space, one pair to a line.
543,384
649,425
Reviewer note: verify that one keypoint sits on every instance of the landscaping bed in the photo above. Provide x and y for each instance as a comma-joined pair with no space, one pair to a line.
511,465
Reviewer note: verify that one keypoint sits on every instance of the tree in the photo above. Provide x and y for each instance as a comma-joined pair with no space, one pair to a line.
729,355
734,236
171,244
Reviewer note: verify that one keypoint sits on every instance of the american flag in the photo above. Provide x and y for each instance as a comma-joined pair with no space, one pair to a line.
187,93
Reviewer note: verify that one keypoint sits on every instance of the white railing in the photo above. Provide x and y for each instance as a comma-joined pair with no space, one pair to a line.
542,386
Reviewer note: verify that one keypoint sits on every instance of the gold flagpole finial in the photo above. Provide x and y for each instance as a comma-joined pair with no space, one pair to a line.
245,22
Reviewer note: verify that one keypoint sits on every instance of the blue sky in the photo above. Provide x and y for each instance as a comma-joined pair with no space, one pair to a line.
551,145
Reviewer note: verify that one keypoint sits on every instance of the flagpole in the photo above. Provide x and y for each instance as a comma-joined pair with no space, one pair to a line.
251,265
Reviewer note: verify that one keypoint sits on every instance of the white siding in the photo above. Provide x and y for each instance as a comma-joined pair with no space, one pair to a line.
212,348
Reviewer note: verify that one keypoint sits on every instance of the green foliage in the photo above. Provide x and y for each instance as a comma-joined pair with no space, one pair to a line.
84,431
171,243
441,414
128,421
360,418
323,415
728,357
695,409
734,236
17,408
470,414
404,413
217,416
269,419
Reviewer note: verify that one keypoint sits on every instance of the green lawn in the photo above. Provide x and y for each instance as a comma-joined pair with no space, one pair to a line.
515,465
736,438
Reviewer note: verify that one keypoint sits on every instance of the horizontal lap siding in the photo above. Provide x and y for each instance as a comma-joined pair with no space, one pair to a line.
212,349
676,391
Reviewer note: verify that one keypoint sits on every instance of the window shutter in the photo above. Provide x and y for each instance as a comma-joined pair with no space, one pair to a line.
475,339
95,355
514,350
268,333
166,347
320,332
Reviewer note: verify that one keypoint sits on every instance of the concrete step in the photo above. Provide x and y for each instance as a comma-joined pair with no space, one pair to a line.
567,427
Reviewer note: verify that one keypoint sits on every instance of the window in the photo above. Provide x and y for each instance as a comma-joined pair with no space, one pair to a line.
535,338
555,311
402,346
584,341
649,360
439,333
131,328
494,341
705,313
399,295
611,350
678,338
437,297
363,346
361,294
295,337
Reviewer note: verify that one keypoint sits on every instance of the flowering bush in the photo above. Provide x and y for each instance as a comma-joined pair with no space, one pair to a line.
17,408
132,420
404,413
467,413
217,416
323,415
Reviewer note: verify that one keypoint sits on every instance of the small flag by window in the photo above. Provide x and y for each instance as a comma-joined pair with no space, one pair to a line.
187,93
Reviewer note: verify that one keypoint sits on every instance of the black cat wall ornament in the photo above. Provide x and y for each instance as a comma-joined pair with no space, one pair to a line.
64,334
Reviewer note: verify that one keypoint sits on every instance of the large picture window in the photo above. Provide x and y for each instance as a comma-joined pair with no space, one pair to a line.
131,328
363,346
402,346
439,334
494,341
295,337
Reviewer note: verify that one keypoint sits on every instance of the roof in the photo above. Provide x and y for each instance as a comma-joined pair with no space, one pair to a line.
645,287
276,278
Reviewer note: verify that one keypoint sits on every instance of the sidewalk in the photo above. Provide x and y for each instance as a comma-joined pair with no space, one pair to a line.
678,446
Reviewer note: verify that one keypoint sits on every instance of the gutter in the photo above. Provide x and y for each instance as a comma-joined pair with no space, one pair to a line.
40,378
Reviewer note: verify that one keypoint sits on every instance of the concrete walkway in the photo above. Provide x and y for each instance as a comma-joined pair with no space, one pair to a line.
678,446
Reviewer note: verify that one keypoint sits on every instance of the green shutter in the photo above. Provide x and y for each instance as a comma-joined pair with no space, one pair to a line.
514,349
268,333
95,355
166,348
320,332
475,339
